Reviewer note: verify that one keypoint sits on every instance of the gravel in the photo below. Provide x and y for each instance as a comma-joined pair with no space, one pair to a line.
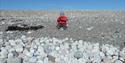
52,50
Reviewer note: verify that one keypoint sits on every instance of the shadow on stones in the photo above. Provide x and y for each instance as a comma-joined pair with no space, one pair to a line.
23,27
18,20
2,19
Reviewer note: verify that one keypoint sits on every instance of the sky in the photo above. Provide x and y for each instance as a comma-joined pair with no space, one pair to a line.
62,4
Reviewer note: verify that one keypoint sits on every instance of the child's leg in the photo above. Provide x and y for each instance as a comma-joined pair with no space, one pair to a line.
64,27
58,26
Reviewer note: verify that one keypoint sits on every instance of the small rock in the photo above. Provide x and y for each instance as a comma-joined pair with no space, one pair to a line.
122,22
29,32
57,48
47,49
122,53
21,55
3,53
12,42
102,55
39,61
80,27
118,61
46,60
3,22
90,28
107,60
14,60
78,54
1,32
10,55
51,58
19,48
33,60
15,54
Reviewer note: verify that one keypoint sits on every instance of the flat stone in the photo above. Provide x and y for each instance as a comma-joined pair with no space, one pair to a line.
12,42
46,60
78,54
51,58
89,28
3,60
47,49
118,61
10,55
33,60
39,61
57,48
3,53
19,48
13,60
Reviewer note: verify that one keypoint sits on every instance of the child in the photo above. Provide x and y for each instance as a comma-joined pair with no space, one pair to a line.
62,21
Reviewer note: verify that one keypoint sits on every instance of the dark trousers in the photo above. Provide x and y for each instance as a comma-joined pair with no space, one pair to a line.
61,26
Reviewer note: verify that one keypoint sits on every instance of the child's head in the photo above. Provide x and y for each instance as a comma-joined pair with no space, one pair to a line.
62,13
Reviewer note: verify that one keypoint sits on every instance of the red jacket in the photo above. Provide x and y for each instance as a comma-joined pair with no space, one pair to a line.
62,20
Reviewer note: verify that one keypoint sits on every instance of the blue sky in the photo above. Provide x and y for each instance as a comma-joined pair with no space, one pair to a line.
62,4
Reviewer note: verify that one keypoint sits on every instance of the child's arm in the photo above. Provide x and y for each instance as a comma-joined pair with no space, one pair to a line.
58,19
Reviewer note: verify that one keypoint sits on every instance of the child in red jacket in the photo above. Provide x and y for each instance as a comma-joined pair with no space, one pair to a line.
62,21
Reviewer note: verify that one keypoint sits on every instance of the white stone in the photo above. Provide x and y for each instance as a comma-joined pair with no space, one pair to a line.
78,54
33,60
102,55
43,54
122,22
3,60
10,55
23,37
9,32
46,60
57,60
21,55
73,61
28,38
66,38
11,49
90,28
48,49
80,27
29,32
107,60
114,58
3,53
13,60
95,49
26,52
122,53
39,61
18,41
8,47
32,50
40,49
82,60
3,22
37,43
12,42
57,48
1,42
121,59
35,46
1,32
118,61
96,58
19,48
